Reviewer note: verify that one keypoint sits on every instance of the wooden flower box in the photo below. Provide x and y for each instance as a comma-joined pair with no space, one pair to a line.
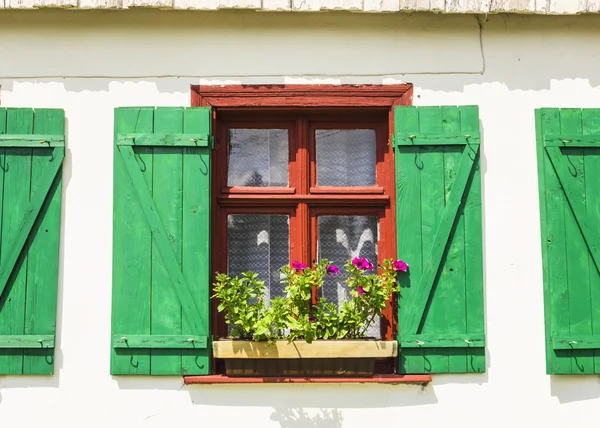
298,358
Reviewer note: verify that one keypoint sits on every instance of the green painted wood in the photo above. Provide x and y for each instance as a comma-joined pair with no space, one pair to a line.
570,211
451,286
196,230
167,193
572,140
433,260
443,297
590,119
573,341
408,217
431,341
17,188
171,191
29,341
5,328
132,248
156,341
30,231
473,226
572,187
577,266
163,139
552,201
432,207
33,141
44,240
28,211
161,238
445,138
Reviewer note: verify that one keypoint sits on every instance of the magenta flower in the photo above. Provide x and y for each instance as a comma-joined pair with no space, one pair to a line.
362,264
360,290
298,266
332,269
399,265
311,319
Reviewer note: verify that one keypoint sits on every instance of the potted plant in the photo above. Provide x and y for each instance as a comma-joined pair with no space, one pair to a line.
291,336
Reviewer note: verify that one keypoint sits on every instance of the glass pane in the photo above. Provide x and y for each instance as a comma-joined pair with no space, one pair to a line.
261,243
341,238
258,157
346,157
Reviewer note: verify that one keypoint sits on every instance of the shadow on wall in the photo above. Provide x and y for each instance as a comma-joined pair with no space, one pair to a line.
300,418
569,389
307,406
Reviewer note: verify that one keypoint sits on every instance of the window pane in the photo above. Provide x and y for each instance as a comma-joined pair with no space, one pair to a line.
258,157
341,238
346,157
259,242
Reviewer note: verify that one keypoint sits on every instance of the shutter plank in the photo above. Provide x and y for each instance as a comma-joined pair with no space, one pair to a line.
432,207
576,250
196,231
556,245
167,192
591,126
132,248
42,269
17,186
4,323
453,272
409,230
473,226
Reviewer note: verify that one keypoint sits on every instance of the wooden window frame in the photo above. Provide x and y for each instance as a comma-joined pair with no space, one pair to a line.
236,102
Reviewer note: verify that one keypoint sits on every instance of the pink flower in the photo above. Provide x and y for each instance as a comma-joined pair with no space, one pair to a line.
362,264
298,266
360,290
399,265
332,269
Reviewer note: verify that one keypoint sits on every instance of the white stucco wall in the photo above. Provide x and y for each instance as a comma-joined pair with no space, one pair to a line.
90,62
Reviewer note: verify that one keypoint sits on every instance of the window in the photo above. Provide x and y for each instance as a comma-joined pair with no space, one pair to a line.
302,185
299,173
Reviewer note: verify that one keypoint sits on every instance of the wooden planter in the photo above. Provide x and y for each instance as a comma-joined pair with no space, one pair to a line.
298,358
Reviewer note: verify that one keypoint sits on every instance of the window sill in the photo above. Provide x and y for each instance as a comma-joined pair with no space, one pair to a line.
390,379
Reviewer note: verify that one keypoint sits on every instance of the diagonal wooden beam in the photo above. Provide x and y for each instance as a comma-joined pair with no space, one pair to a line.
432,264
159,235
29,218
573,195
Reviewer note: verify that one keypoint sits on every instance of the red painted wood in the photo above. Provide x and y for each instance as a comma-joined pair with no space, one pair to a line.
393,379
332,190
301,95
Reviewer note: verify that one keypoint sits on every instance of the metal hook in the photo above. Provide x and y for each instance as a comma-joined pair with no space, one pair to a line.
138,158
467,137
573,171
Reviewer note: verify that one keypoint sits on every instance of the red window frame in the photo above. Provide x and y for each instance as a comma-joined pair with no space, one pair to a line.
301,107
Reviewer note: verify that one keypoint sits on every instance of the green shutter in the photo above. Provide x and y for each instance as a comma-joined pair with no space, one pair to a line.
31,155
568,150
161,236
439,234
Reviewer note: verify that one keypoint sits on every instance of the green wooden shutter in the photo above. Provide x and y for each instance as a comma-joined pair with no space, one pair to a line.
31,155
439,234
568,150
161,230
